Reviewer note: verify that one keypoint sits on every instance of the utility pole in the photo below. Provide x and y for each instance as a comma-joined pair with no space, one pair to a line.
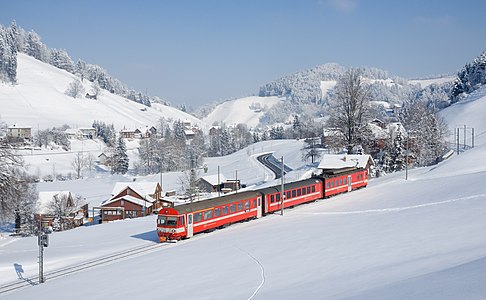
472,137
465,134
457,140
406,161
282,189
42,241
219,184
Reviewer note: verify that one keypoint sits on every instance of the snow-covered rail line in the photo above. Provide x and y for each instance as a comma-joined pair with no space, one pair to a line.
80,267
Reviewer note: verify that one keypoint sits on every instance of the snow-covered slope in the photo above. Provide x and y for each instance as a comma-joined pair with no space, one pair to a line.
417,239
426,82
38,101
246,110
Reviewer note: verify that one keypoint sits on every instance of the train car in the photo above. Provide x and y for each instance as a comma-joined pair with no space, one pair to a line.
183,221
343,180
295,193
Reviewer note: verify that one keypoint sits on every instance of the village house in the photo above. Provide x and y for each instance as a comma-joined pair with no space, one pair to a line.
80,133
73,213
138,133
210,184
133,200
104,159
131,133
88,132
19,134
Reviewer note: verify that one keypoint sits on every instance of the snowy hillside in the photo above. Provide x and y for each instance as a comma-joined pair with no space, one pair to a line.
396,239
38,101
426,82
246,110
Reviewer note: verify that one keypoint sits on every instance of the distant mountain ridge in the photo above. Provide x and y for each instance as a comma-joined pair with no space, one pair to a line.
305,86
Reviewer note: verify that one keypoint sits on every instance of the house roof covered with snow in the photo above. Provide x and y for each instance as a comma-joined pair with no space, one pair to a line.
129,198
142,188
338,161
213,179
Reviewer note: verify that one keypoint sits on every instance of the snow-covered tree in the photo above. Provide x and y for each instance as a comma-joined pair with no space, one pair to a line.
60,59
17,192
75,89
149,154
119,164
471,77
35,48
8,55
427,132
189,183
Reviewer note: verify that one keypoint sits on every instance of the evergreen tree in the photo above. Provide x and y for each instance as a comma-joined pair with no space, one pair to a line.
397,158
120,158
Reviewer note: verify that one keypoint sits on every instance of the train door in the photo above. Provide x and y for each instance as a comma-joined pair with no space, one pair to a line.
350,182
265,205
259,207
190,231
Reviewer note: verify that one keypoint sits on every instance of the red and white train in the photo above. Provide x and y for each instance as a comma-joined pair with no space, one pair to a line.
183,221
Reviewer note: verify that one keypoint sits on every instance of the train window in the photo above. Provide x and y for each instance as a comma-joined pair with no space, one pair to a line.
303,191
254,203
328,184
171,221
298,192
217,212
181,221
161,220
336,183
232,208
313,188
247,204
189,219
341,181
197,217
225,210
240,206
259,202
294,193
208,214
308,190
272,199
287,195
277,198
332,183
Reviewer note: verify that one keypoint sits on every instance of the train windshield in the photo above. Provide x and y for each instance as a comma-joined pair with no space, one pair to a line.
167,221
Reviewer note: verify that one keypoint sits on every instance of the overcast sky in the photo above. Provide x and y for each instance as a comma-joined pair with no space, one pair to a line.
195,52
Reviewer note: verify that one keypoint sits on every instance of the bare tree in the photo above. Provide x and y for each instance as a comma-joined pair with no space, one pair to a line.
78,164
63,207
349,108
9,162
89,163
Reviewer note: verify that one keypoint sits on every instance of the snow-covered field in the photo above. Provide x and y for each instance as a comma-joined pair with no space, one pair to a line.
246,110
417,239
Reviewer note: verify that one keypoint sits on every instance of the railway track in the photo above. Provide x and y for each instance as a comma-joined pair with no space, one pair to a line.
269,161
10,287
